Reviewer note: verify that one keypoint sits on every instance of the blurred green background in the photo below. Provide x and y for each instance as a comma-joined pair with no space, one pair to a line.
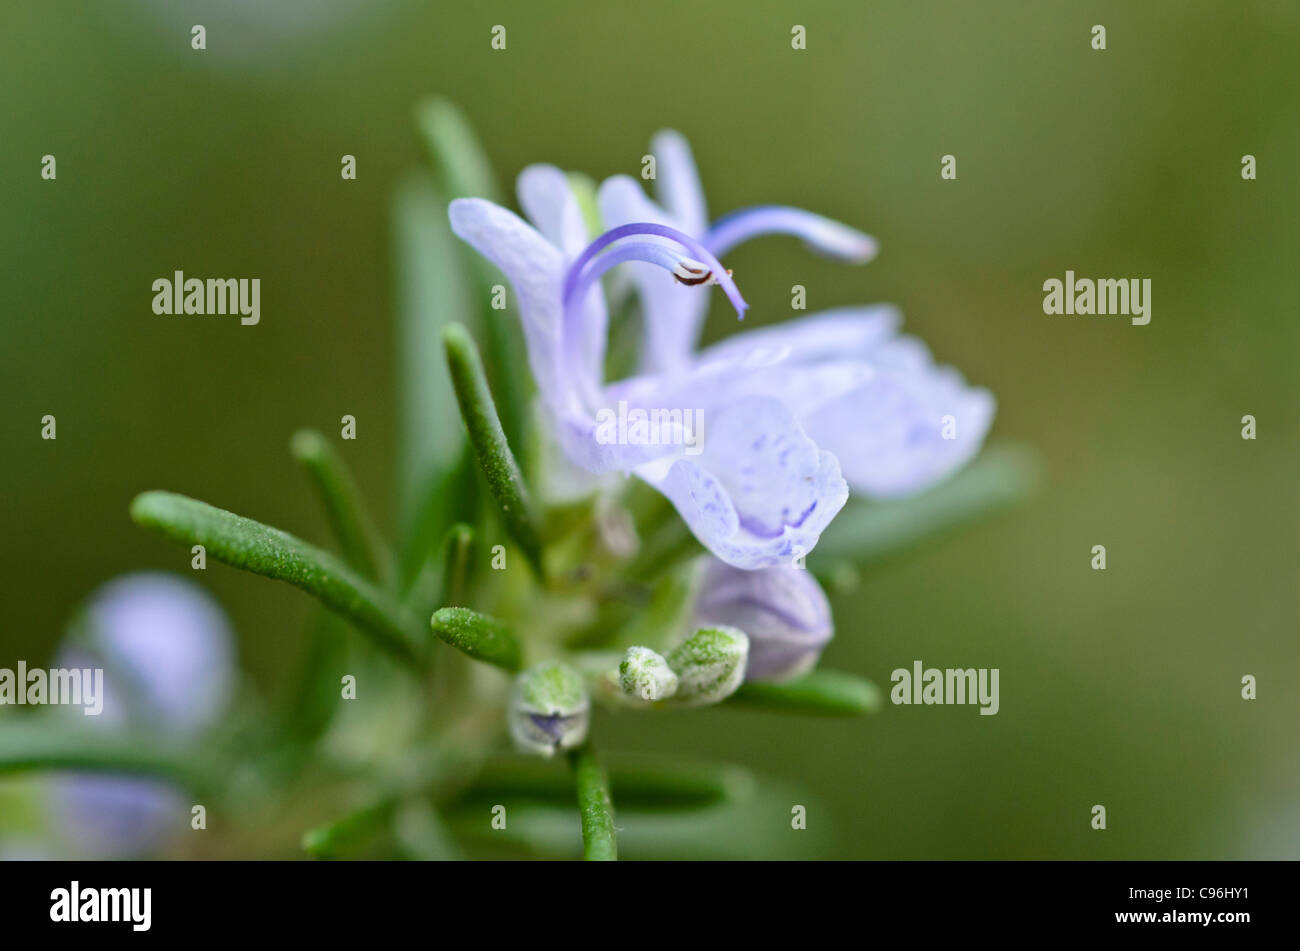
1119,687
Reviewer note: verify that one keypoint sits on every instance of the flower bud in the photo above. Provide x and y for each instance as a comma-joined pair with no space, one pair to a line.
782,609
645,675
549,709
710,665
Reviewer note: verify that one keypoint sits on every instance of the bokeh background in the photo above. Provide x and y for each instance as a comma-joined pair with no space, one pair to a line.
1119,687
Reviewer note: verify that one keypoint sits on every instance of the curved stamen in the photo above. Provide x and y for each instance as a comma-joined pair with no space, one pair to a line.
696,249
684,269
822,235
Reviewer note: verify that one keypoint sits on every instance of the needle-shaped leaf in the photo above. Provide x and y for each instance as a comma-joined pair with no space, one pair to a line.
250,545
343,507
481,637
422,835
636,782
824,693
455,151
458,550
497,462
463,171
869,531
429,291
350,832
455,492
595,807
47,742
314,700
740,829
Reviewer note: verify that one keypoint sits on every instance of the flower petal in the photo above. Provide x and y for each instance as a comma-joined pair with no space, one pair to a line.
892,434
875,400
760,492
677,182
839,333
805,363
535,268
548,199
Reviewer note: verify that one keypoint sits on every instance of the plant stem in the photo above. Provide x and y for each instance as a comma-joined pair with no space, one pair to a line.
594,806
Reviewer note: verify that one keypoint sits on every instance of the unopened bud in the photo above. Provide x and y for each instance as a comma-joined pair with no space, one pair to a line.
782,609
710,665
549,709
646,676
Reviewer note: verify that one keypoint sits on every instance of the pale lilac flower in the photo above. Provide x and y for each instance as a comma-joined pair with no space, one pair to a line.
783,610
167,652
762,479
874,399
760,491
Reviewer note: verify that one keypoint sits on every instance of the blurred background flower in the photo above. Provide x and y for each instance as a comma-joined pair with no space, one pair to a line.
167,652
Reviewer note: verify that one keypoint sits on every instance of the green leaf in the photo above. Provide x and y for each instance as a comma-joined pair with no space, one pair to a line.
347,516
455,151
250,545
47,742
430,291
350,832
314,700
458,550
464,171
595,807
742,829
870,531
455,492
497,462
823,693
637,782
481,637
422,835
